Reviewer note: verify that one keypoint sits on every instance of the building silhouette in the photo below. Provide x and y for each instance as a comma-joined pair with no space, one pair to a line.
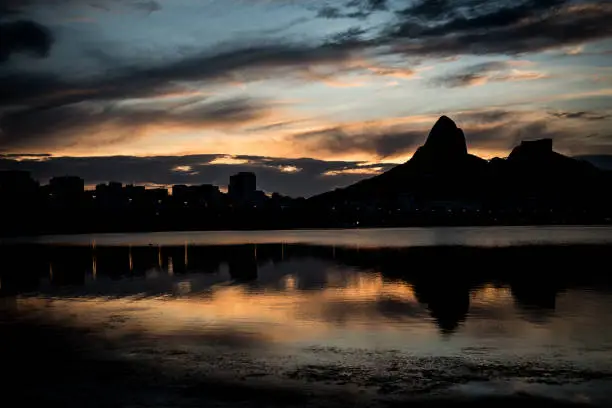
205,195
16,182
242,186
66,186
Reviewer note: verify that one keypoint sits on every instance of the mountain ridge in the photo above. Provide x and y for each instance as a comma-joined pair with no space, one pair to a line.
442,169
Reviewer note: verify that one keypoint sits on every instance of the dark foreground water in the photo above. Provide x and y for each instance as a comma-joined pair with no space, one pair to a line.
459,316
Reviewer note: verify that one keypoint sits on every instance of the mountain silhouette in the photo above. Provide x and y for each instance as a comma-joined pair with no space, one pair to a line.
445,141
443,173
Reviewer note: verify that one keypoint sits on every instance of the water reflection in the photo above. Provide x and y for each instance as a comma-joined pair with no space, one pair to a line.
316,283
459,301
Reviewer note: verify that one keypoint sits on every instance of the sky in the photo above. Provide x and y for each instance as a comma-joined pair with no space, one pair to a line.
309,94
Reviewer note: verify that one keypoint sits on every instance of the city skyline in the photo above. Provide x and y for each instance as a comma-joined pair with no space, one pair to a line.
309,95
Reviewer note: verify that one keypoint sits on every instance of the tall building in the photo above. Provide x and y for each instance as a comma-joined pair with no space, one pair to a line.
242,186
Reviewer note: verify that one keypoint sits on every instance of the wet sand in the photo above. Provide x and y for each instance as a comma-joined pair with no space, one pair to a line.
56,365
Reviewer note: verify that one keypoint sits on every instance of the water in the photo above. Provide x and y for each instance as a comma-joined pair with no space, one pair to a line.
373,315
375,237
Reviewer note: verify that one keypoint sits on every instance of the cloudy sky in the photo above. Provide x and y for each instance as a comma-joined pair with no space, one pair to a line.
310,94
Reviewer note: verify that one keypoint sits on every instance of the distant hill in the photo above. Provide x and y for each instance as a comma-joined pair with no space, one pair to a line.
443,174
603,161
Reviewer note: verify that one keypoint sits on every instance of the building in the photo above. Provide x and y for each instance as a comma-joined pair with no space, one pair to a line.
67,187
242,186
204,195
18,190
17,183
111,196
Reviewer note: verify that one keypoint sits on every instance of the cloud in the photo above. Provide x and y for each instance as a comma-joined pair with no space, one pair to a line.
584,115
441,28
96,124
148,6
381,141
13,7
486,116
483,73
489,132
26,37
295,177
247,63
358,9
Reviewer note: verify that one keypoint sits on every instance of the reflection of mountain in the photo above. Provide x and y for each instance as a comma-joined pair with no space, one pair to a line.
441,278
448,304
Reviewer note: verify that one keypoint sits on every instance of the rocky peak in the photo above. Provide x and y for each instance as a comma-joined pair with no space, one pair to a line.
446,140
532,149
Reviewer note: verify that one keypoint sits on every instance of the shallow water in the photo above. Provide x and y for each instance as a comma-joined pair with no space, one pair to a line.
373,238
497,319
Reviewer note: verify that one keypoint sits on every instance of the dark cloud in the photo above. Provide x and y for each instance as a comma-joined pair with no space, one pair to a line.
469,75
453,16
65,125
149,6
494,71
359,9
307,176
13,7
24,155
262,61
39,106
24,37
485,116
584,115
441,28
382,143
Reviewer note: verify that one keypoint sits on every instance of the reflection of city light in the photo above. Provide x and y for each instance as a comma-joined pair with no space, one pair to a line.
152,273
186,257
290,282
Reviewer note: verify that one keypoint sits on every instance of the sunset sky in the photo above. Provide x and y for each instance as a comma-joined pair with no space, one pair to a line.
309,94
